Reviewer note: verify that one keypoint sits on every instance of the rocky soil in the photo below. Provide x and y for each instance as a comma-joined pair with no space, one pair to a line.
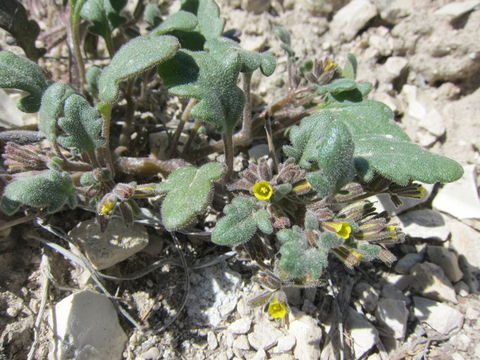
423,58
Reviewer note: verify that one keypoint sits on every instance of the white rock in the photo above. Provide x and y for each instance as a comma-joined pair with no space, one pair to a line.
151,354
10,116
457,9
392,314
425,224
407,262
260,355
457,356
441,317
416,109
117,243
87,327
395,65
212,340
352,18
256,6
460,198
429,280
367,296
393,11
240,326
466,242
308,335
384,203
447,260
433,122
241,343
264,335
285,344
213,295
364,335
461,342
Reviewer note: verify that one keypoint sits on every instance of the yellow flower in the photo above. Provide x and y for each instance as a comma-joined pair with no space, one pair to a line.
107,208
262,190
277,309
329,64
342,229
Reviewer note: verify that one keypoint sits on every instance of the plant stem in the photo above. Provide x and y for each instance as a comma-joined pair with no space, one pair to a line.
75,8
271,146
127,128
147,166
228,151
246,130
109,44
196,126
106,111
184,118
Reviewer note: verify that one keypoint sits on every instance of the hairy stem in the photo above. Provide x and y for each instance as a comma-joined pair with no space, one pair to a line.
196,126
75,8
229,151
127,128
185,117
106,111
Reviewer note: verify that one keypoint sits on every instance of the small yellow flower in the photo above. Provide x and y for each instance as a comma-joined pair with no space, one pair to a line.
277,309
262,190
329,64
302,187
342,229
106,208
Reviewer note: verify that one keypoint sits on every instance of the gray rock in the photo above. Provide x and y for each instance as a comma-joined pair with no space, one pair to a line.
308,336
462,289
392,292
406,263
257,151
457,9
352,18
86,327
465,241
117,243
256,6
461,342
240,326
392,314
264,335
441,317
429,280
364,335
460,198
151,354
367,296
393,11
401,282
425,224
213,295
447,260
285,344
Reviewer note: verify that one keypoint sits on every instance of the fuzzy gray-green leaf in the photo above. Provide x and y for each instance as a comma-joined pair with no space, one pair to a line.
53,101
210,24
104,15
239,225
182,20
50,190
135,57
210,78
189,192
82,124
93,76
17,72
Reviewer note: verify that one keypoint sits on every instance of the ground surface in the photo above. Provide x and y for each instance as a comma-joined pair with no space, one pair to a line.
425,64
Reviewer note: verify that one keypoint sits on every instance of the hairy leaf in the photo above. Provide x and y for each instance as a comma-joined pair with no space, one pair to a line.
242,218
104,15
14,19
152,15
210,24
381,146
93,76
189,192
337,86
50,190
349,71
250,60
82,124
135,57
210,78
182,20
17,72
53,101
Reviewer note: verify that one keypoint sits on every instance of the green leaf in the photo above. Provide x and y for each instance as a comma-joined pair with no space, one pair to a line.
136,56
337,86
182,20
349,71
381,146
14,19
250,60
53,101
210,78
93,76
50,190
104,15
152,15
17,72
82,124
242,218
189,192
210,24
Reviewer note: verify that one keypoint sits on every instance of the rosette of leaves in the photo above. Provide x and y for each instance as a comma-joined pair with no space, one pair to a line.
17,72
243,217
135,57
188,193
210,78
50,190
